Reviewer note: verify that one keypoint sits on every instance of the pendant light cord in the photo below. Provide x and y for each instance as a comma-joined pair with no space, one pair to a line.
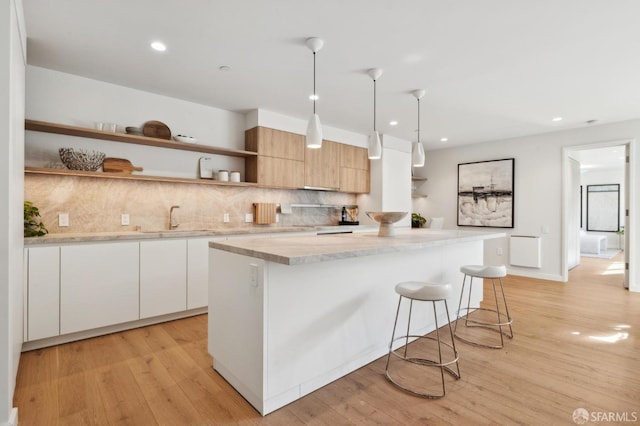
374,105
418,120
315,95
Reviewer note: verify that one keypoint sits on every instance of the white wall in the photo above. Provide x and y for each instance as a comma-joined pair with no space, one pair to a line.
538,188
12,64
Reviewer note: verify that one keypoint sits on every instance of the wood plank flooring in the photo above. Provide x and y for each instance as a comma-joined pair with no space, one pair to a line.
576,345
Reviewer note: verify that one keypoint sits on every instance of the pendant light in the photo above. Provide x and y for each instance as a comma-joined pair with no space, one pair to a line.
314,128
375,146
417,154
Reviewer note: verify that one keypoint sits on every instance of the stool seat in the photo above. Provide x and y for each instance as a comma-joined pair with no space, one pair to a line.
420,290
484,271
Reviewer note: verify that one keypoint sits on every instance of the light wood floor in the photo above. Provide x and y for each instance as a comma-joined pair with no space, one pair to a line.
576,345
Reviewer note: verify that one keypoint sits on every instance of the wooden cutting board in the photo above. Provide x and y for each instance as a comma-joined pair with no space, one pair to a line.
119,165
265,213
156,129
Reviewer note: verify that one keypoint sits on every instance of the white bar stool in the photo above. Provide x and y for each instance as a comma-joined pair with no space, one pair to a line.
503,319
428,292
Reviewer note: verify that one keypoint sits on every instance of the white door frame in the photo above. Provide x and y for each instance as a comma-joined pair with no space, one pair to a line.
631,233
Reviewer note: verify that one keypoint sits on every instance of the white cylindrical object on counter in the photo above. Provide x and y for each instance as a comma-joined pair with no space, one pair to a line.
234,176
223,175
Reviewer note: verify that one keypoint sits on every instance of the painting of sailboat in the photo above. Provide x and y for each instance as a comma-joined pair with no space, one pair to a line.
485,193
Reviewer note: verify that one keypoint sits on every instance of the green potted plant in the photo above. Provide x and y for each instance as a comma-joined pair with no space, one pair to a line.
417,221
33,226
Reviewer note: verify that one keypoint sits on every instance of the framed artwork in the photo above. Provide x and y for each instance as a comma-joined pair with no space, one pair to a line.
485,193
603,208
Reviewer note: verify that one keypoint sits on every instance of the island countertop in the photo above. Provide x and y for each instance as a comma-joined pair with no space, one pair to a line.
321,248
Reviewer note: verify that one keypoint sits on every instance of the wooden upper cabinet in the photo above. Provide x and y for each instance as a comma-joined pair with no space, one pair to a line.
275,143
354,157
275,172
355,181
283,161
354,169
280,159
322,166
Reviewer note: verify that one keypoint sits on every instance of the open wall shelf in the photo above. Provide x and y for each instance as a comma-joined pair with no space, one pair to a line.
63,129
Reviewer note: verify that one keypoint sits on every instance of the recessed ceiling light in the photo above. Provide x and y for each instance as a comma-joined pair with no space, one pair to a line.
444,139
393,123
556,119
591,121
224,68
158,46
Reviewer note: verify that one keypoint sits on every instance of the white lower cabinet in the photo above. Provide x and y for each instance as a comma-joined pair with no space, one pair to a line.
98,285
163,277
198,272
82,287
43,293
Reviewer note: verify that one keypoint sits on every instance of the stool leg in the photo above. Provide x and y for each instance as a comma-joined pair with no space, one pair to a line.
453,341
506,308
435,317
393,334
466,314
406,343
495,297
464,279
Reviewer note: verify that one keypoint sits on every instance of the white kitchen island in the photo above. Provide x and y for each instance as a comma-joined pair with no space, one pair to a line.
290,315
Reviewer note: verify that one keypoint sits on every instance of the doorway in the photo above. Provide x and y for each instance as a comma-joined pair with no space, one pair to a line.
609,155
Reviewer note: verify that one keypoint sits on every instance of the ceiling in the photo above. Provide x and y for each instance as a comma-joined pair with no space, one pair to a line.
492,69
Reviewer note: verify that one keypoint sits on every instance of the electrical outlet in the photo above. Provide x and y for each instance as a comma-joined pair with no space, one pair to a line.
124,219
63,219
499,251
225,218
248,217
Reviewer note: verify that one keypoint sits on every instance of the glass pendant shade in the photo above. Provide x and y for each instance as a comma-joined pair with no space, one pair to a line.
375,146
417,155
314,132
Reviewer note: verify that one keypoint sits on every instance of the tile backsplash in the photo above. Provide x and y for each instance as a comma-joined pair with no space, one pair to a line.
96,205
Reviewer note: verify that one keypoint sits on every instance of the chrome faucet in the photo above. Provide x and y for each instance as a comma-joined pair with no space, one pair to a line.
173,220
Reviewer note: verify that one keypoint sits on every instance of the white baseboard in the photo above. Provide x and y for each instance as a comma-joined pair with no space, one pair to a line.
13,417
66,338
536,275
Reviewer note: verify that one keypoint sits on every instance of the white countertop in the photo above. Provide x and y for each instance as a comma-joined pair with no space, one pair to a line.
320,248
87,237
